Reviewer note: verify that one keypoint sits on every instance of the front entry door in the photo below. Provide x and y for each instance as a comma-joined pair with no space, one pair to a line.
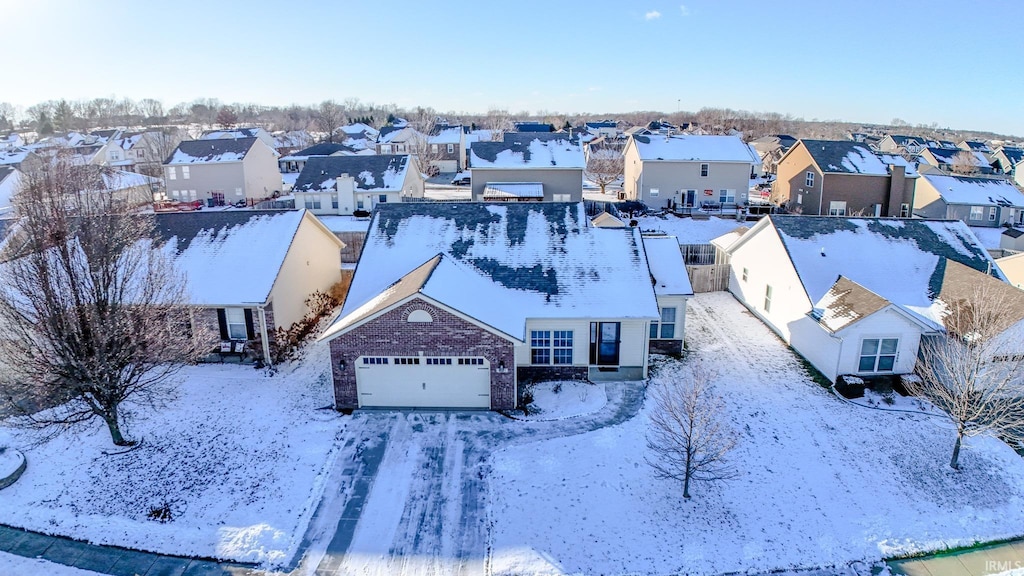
604,343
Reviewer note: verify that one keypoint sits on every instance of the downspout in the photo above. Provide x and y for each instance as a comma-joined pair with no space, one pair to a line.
821,192
264,334
647,345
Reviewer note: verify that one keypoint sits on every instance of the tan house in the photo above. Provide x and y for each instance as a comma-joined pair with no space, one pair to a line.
344,184
900,143
1010,161
841,178
251,271
975,201
222,171
527,167
953,160
1013,268
688,170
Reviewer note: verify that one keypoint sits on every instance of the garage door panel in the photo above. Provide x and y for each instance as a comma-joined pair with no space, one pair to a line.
445,383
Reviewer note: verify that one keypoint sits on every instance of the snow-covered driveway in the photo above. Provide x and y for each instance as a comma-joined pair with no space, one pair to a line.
820,482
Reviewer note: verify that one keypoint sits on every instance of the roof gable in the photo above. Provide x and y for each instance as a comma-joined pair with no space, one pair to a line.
849,157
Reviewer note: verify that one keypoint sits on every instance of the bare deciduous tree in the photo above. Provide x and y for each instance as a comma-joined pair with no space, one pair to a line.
93,311
329,117
689,434
226,118
964,162
604,167
974,372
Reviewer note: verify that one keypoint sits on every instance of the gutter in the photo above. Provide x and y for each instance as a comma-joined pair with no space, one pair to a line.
264,334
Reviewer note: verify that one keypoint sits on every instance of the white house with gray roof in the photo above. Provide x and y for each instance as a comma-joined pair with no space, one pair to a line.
527,167
344,184
974,200
854,296
222,171
688,170
457,304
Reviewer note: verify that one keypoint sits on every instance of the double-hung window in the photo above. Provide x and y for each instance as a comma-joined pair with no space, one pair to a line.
551,346
665,327
540,347
185,172
837,208
561,352
704,170
992,214
809,180
977,212
767,298
235,318
878,354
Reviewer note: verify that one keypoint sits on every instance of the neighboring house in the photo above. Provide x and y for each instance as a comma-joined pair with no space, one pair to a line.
251,271
455,305
688,170
126,188
1012,239
976,201
1013,267
12,140
23,159
855,295
899,144
395,140
1010,161
671,288
841,177
607,128
607,220
344,184
359,131
975,146
447,148
771,149
10,180
238,133
527,167
293,163
142,152
222,171
952,159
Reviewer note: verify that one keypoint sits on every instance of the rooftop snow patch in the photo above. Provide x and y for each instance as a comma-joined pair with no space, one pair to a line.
527,151
695,148
503,263
229,257
210,151
668,271
902,261
376,173
848,157
976,191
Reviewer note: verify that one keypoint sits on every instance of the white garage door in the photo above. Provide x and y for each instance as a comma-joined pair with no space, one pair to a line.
423,382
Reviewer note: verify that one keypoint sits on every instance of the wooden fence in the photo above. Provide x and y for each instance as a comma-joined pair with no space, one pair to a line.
709,277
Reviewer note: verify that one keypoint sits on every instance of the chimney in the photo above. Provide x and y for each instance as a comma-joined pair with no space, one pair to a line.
897,188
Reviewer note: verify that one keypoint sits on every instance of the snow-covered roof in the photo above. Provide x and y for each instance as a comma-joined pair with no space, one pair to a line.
1013,154
359,128
234,134
848,157
512,190
10,179
211,151
121,180
688,147
975,145
501,264
976,191
229,257
726,240
376,173
954,155
527,151
902,261
446,135
668,270
399,135
14,156
845,303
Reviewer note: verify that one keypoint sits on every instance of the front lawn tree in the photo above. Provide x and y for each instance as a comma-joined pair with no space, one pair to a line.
689,434
974,372
93,312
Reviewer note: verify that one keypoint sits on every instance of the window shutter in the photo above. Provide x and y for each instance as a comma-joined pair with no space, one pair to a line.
222,320
250,330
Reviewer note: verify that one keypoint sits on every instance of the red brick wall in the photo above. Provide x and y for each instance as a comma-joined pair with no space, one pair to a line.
448,335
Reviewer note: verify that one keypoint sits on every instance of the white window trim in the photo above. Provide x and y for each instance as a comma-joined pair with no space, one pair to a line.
809,179
234,318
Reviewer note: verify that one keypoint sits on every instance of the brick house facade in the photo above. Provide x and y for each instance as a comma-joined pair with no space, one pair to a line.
391,334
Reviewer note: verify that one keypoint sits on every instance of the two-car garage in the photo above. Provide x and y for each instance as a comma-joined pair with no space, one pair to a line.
423,382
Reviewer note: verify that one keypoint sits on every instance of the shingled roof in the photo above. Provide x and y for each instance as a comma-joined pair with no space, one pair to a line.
500,264
379,172
211,151
849,157
528,151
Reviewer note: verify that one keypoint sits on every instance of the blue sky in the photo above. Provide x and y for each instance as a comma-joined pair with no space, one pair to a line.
864,60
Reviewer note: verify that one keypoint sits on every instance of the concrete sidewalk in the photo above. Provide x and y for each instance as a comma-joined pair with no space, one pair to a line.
975,562
111,559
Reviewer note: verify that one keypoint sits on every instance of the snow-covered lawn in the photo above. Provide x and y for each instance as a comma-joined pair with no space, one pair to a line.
237,459
821,482
557,400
